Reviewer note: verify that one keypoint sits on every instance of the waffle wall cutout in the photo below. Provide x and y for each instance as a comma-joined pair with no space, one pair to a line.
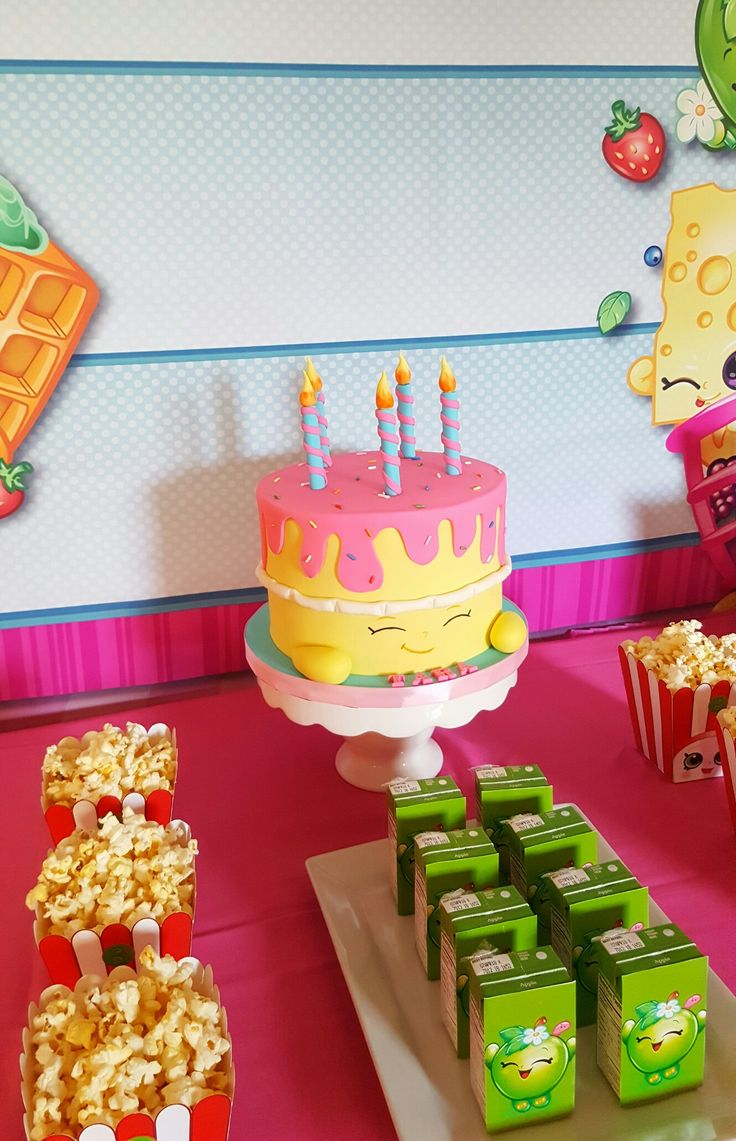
46,301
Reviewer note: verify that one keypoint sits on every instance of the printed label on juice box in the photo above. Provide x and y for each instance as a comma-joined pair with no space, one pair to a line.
420,915
393,867
477,1054
525,820
486,963
617,941
399,786
430,839
560,938
448,990
460,902
492,772
518,874
609,1032
567,877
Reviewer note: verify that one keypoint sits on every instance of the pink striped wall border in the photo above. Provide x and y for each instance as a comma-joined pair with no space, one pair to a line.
117,653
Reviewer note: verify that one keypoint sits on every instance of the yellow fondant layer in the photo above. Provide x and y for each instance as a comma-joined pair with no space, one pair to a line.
403,579
407,642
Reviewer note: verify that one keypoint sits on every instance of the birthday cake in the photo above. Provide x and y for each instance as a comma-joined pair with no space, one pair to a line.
390,562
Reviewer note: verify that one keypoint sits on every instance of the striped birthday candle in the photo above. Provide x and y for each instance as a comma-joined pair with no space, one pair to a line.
316,381
405,409
389,437
450,417
311,437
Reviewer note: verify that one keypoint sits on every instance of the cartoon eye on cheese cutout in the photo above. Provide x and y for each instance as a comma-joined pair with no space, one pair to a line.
693,362
46,301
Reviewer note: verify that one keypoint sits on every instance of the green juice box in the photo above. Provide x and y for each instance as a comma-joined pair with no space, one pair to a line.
445,861
507,790
651,1012
586,902
545,842
497,920
522,1037
417,806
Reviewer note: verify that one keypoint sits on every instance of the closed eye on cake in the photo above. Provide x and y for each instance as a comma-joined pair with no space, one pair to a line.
465,614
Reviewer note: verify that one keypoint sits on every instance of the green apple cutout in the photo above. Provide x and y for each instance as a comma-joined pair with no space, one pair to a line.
715,44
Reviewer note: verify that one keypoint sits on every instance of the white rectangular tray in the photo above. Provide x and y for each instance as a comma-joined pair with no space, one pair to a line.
427,1088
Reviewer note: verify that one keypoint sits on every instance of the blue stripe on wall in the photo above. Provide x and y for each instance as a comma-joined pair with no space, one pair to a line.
472,71
51,617
246,352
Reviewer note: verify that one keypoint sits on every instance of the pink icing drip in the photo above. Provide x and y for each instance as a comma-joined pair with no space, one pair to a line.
360,511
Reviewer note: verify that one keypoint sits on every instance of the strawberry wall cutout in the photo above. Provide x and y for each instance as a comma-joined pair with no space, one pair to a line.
634,144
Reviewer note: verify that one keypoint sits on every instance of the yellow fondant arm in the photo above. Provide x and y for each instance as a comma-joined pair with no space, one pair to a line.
508,632
322,663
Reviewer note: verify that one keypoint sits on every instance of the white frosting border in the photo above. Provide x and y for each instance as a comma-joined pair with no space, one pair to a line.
382,609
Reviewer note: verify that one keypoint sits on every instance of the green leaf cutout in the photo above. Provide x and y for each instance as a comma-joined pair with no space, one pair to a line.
716,704
613,309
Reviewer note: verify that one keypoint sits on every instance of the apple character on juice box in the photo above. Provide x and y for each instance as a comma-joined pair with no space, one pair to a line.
664,1034
530,1062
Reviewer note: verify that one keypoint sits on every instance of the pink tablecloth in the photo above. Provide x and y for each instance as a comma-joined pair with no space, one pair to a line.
262,796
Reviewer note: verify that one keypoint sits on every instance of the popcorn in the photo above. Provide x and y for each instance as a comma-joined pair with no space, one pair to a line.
108,763
125,1045
683,656
727,718
127,871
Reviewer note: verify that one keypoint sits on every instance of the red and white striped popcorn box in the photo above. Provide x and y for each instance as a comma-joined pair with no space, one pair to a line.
62,819
90,953
727,749
208,1120
675,730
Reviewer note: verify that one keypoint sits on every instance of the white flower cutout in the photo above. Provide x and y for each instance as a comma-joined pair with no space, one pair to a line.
699,114
535,1036
668,1009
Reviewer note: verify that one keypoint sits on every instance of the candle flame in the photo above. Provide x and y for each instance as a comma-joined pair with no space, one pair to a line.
307,397
403,372
447,377
384,399
314,378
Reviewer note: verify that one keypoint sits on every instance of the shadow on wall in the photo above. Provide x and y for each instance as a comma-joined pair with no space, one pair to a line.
674,578
207,524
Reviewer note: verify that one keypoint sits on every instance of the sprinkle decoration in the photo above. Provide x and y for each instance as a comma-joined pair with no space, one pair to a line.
450,417
311,437
324,439
405,409
388,436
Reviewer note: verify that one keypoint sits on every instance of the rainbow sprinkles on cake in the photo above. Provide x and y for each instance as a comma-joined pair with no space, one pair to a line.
387,563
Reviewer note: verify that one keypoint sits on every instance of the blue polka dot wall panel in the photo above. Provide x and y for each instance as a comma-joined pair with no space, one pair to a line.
220,211
236,221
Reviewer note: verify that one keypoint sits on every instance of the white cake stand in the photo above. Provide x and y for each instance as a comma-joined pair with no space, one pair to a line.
388,731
